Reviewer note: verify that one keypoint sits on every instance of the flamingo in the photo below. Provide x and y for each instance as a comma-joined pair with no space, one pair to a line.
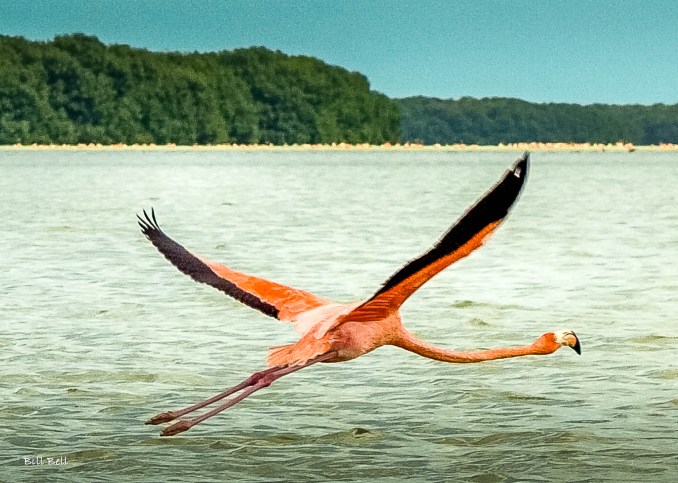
334,332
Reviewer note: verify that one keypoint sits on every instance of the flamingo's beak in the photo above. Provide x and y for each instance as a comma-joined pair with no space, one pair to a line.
573,341
569,339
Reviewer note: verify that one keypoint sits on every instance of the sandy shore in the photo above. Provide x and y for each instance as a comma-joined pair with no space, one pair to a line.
534,146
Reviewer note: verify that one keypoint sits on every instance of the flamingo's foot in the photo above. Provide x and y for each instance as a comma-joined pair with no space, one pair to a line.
176,428
163,418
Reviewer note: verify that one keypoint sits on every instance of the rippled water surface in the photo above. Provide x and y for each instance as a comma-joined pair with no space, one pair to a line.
99,332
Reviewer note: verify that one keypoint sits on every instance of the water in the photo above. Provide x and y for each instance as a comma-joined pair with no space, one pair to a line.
99,332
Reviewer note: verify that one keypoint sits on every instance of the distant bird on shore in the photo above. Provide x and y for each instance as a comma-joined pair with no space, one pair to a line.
332,332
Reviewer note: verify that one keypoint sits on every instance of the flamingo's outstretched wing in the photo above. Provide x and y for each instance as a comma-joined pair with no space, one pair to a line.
270,298
467,234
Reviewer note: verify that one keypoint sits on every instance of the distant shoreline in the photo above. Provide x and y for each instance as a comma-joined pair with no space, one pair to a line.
533,146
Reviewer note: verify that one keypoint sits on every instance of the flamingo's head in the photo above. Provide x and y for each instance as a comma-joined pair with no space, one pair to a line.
552,341
569,339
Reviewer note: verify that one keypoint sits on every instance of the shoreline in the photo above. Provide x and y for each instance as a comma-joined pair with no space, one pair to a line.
533,146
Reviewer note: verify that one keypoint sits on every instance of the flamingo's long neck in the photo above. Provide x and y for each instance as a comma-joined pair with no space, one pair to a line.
418,346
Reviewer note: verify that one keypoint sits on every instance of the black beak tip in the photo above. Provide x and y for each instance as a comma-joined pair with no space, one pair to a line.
577,346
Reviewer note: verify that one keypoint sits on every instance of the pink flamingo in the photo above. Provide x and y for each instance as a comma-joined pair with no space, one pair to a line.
333,332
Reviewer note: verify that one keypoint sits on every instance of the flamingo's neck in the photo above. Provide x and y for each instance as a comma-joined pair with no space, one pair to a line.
418,346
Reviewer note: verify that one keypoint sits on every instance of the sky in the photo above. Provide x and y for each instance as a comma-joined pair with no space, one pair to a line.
595,51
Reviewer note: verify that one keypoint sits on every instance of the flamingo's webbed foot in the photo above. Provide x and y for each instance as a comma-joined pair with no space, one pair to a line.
176,428
165,417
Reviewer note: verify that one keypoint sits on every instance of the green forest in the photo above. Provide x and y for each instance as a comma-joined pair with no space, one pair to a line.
497,120
75,89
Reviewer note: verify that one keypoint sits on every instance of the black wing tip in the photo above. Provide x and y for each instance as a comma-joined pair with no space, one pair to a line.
148,223
519,168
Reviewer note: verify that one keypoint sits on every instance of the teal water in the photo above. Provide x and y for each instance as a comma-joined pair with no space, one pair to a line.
98,332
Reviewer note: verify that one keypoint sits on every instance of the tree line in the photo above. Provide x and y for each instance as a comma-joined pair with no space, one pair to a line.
75,89
492,121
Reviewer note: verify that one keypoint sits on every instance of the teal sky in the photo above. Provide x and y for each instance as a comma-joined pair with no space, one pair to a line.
607,51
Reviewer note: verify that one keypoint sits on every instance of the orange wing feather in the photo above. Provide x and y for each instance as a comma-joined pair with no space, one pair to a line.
466,234
273,299
289,301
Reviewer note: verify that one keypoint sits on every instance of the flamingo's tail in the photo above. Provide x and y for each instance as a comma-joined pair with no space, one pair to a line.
299,353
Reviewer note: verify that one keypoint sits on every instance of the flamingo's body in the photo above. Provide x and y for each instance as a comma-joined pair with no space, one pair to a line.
332,332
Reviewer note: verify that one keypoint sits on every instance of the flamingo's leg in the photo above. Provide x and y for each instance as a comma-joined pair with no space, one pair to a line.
250,381
269,376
